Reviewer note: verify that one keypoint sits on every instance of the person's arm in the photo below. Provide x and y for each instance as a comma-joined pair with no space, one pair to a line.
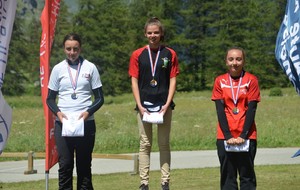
98,101
51,101
136,95
250,115
172,89
53,106
222,119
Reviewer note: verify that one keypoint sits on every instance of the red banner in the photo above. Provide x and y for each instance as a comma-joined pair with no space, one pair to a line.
48,21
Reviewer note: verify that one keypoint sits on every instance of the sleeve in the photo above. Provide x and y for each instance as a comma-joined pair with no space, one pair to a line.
133,70
175,65
53,80
217,92
250,115
254,92
51,101
98,102
222,119
95,80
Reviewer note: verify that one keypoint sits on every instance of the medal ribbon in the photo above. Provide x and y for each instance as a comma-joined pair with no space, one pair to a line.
235,98
153,67
74,81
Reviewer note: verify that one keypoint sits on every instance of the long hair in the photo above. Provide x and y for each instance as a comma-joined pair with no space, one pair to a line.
155,21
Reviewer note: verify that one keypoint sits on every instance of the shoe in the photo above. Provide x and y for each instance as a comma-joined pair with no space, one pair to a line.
165,186
144,187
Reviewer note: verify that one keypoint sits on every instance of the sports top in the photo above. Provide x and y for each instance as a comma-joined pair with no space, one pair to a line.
166,68
248,91
60,81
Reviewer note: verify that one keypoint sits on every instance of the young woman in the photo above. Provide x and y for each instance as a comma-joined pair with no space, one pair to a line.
236,94
153,70
74,80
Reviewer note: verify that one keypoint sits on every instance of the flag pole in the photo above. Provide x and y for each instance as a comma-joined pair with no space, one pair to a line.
48,60
48,20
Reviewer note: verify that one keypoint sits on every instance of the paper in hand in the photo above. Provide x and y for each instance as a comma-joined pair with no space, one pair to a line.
73,127
237,148
154,117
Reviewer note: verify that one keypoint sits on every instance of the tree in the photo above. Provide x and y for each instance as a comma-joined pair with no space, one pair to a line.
103,26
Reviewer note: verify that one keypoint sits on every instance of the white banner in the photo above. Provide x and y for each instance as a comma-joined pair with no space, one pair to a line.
7,17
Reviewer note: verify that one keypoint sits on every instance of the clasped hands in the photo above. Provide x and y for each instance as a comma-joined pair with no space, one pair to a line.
83,115
235,141
144,110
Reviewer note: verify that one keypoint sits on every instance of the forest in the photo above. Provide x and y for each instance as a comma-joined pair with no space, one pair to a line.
200,31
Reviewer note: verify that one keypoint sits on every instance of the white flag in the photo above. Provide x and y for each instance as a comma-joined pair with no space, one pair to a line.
7,17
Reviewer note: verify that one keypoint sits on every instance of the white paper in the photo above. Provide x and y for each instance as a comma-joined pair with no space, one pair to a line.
154,117
237,148
73,127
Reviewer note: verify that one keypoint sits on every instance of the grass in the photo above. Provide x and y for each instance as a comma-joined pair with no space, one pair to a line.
268,177
193,127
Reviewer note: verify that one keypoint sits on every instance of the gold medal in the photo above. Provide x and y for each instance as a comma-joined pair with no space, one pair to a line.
153,83
235,110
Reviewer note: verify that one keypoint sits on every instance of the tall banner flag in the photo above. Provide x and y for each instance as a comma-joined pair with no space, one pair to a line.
48,20
7,17
287,49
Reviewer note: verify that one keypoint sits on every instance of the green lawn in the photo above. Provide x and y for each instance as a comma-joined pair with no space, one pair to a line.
194,126
277,177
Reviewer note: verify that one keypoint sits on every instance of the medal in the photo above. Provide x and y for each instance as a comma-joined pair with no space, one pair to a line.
74,81
235,110
74,96
153,82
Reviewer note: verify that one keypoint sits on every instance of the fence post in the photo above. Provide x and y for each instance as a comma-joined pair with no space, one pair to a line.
135,164
30,164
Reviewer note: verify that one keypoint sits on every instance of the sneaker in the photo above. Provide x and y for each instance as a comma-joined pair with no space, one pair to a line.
144,187
165,186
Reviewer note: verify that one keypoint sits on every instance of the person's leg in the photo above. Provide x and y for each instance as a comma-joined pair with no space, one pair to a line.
228,167
163,132
145,131
65,151
246,168
84,150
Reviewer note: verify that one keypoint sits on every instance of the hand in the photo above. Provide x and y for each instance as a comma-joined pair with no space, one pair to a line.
61,115
143,110
239,141
231,141
164,109
235,141
84,115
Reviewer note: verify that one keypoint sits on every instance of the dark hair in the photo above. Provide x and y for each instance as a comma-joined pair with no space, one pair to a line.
72,36
237,48
155,21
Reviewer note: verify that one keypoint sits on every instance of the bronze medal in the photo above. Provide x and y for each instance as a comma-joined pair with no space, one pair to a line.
235,110
153,83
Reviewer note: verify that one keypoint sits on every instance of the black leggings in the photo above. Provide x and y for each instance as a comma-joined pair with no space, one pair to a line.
233,163
83,148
